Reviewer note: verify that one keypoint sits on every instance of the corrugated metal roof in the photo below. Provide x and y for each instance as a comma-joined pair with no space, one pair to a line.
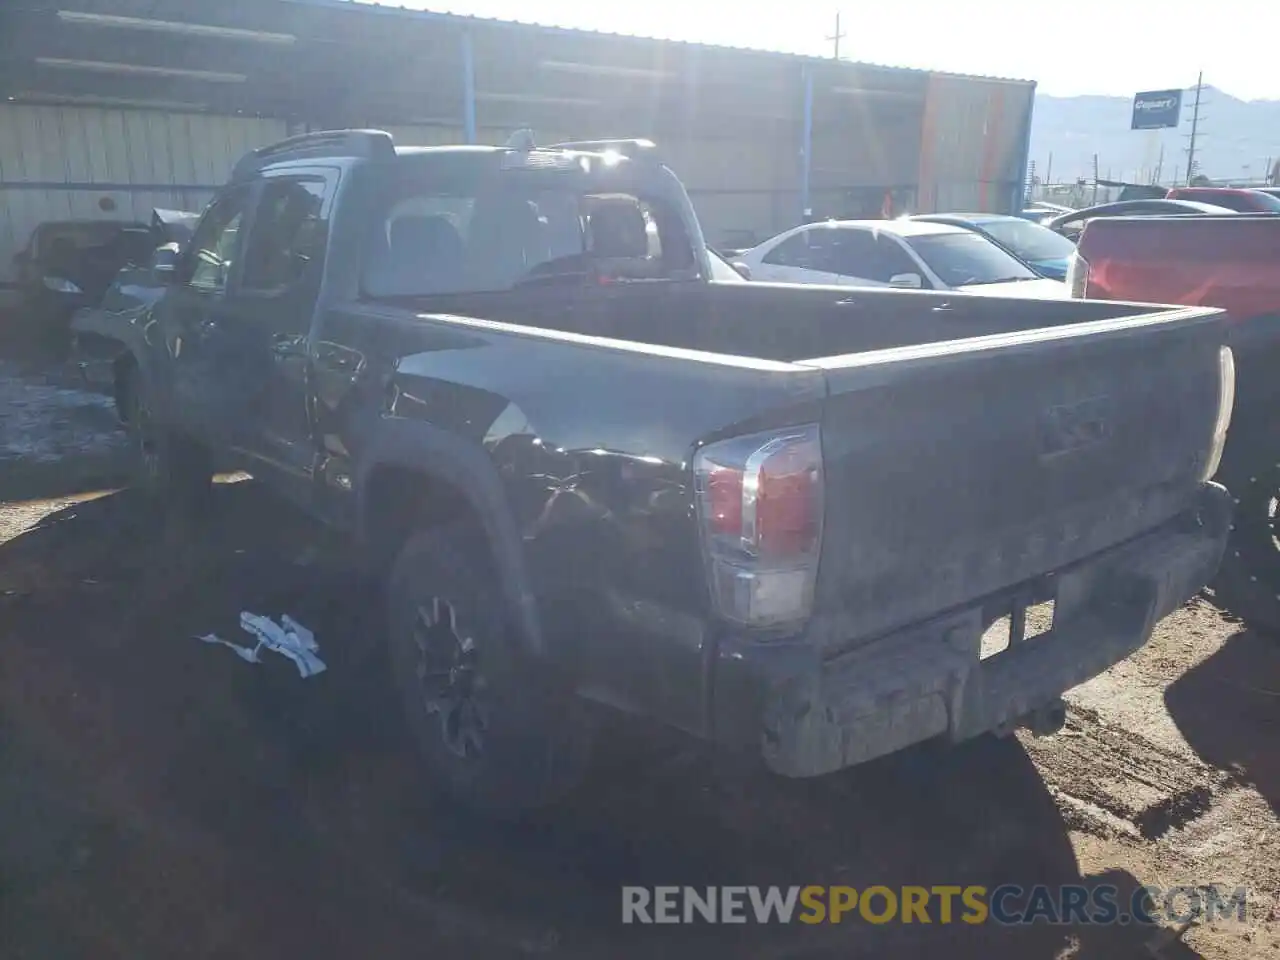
373,7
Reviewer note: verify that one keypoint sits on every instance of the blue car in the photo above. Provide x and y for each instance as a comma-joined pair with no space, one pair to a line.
1046,252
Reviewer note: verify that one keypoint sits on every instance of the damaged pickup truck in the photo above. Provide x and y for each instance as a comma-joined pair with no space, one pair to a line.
597,467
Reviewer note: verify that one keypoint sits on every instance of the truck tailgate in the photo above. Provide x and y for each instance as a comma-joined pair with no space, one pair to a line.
956,470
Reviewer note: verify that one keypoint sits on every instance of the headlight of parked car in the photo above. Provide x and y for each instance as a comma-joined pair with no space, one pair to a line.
60,285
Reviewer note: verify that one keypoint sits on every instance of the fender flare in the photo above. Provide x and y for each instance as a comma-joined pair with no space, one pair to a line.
127,358
466,467
152,372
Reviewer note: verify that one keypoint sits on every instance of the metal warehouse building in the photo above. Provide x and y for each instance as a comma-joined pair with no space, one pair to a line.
111,107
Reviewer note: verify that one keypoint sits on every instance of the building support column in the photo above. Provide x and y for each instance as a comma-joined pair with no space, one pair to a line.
806,143
1020,196
468,89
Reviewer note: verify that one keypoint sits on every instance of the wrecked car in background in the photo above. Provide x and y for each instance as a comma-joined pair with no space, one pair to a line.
66,265
99,333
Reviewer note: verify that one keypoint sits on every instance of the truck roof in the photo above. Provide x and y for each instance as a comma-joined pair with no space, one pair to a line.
412,151
379,145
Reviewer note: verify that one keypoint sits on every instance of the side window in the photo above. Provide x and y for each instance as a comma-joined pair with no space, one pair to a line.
800,250
430,242
894,260
1072,229
852,254
216,241
289,235
633,236
1231,201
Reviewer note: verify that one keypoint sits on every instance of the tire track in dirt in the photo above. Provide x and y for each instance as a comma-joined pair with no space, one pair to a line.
1109,780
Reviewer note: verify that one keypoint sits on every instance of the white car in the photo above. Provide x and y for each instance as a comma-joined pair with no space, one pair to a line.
907,254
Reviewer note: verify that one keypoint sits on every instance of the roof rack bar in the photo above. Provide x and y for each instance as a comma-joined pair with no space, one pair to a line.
367,144
633,149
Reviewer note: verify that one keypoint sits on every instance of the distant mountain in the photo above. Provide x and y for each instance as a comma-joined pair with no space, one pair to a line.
1236,138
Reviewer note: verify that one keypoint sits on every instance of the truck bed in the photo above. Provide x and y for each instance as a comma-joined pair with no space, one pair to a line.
987,441
781,322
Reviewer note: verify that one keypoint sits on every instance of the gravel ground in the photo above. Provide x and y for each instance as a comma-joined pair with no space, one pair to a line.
55,435
161,798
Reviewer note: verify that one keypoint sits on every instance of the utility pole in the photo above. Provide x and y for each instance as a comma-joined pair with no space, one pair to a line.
1195,129
1095,181
1159,167
837,36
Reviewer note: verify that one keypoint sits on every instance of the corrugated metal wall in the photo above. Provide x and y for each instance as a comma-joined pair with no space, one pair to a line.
942,143
743,183
866,138
424,135
974,135
60,162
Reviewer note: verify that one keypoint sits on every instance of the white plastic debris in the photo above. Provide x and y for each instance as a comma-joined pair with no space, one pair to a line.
287,638
249,654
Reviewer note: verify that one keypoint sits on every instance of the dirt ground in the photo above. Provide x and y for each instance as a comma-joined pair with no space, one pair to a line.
161,798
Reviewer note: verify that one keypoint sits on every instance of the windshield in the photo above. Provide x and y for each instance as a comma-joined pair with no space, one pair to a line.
1028,240
960,259
497,232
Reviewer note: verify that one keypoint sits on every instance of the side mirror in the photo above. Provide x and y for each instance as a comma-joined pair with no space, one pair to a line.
906,281
742,269
164,264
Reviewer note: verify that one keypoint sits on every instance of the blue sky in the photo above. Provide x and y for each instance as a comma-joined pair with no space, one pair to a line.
1087,46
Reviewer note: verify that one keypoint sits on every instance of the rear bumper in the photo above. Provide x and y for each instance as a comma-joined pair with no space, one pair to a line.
814,717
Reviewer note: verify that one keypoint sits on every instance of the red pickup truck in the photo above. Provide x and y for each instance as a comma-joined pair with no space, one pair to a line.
1240,199
1233,263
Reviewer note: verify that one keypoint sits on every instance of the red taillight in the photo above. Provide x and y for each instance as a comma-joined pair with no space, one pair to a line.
786,523
1077,278
724,499
760,506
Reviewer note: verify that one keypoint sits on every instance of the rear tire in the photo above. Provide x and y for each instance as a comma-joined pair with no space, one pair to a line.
496,731
1248,581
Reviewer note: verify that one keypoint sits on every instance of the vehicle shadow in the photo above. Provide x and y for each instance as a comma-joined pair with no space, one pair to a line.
241,807
1227,707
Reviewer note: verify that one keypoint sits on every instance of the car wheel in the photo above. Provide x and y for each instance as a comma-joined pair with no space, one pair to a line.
497,733
1248,581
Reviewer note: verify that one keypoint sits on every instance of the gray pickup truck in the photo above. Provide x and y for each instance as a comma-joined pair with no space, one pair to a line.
597,467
